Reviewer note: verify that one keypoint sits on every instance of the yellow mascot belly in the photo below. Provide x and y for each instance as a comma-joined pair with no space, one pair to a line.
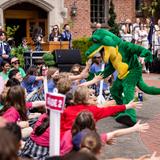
112,54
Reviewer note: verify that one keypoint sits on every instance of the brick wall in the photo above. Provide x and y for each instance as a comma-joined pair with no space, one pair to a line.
124,9
80,24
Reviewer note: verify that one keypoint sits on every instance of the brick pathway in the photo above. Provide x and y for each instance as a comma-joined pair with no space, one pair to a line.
151,139
152,79
136,145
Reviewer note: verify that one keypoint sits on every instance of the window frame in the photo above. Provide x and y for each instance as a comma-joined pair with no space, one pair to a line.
95,8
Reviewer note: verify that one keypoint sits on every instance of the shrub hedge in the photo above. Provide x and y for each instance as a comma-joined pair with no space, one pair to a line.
82,44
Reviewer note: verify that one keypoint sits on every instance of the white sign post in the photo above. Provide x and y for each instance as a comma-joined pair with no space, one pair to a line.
45,83
100,97
55,102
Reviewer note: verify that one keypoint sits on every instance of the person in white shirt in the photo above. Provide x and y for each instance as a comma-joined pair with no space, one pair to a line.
126,31
157,36
136,28
143,36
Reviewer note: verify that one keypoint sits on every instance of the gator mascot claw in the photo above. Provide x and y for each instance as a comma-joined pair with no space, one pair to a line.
123,57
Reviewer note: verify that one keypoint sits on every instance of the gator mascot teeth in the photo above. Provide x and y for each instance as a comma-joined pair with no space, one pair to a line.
123,57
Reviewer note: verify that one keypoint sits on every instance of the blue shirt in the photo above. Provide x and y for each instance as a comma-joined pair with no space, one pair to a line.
4,46
95,68
51,85
67,36
29,83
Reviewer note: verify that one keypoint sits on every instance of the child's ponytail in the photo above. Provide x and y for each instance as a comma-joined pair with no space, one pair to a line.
41,129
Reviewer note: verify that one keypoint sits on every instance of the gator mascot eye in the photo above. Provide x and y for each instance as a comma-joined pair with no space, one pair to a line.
95,40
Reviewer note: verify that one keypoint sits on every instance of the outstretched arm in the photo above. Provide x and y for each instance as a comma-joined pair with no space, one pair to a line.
84,74
96,79
107,72
136,128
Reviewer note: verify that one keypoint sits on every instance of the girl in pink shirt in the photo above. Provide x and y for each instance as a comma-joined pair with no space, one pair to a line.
15,108
84,120
37,146
72,138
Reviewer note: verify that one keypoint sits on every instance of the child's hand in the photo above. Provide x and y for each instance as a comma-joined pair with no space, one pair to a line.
141,127
98,77
34,115
23,124
133,104
88,63
154,157
111,141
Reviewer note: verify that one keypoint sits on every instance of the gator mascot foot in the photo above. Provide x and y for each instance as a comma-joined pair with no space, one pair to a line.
122,57
125,119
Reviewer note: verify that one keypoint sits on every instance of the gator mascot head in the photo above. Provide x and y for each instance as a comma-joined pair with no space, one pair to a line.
122,55
102,38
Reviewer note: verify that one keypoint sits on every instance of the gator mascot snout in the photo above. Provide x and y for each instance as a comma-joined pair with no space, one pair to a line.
123,57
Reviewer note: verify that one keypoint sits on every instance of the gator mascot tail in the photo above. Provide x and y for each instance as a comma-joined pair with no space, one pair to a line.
147,89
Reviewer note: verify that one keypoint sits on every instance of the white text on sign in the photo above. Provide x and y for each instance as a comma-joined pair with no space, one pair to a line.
55,102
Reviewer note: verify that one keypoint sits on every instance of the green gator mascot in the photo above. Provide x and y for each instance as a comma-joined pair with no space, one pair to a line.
123,57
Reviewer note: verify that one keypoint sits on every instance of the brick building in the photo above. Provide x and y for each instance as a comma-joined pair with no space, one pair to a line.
80,14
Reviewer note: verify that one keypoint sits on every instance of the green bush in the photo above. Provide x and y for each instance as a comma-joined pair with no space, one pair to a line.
10,31
82,44
48,59
18,52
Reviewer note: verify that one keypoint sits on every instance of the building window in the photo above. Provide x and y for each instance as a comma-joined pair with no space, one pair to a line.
99,11
138,5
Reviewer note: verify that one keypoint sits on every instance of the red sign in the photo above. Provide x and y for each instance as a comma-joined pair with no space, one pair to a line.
55,101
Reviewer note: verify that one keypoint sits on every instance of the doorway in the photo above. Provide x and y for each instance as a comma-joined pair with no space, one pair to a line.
26,16
21,32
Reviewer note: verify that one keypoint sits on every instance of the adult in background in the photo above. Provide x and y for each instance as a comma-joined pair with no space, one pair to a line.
25,44
95,68
15,65
37,38
11,43
157,34
66,35
4,47
126,31
143,41
136,28
55,34
98,26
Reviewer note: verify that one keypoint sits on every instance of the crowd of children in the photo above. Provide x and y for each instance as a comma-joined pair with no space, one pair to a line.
23,112
24,120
